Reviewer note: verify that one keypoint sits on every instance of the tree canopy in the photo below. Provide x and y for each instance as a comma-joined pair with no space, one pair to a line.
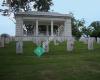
43,5
77,26
26,5
95,29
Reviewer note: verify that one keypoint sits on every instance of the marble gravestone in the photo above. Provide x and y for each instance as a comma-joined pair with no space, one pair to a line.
19,47
98,40
55,41
70,44
90,43
94,39
7,40
45,45
37,40
84,40
58,39
1,42
62,39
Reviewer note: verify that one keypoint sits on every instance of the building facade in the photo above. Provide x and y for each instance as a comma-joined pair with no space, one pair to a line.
42,24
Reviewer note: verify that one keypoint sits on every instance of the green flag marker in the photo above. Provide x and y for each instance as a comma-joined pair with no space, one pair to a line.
39,51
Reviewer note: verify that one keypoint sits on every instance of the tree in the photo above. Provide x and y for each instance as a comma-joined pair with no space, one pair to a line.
4,35
77,26
16,5
26,5
85,31
43,5
95,29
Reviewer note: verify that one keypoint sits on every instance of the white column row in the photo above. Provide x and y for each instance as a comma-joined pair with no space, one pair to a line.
67,27
47,29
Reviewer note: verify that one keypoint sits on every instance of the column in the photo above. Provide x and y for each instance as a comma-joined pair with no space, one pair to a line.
37,28
47,30
68,28
37,33
19,35
58,30
34,30
52,28
19,27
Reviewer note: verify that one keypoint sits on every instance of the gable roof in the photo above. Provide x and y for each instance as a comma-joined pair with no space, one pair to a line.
37,13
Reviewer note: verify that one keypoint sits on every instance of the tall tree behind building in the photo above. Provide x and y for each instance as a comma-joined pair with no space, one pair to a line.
26,5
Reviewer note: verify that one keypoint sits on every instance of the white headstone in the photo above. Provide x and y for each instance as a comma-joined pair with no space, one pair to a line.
19,47
98,40
1,42
90,43
7,40
70,44
55,41
39,41
94,39
61,39
46,46
57,38
84,40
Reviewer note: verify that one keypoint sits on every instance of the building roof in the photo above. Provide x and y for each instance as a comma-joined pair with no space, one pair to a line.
36,13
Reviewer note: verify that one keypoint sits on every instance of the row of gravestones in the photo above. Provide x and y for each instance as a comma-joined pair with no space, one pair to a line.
70,43
89,41
85,40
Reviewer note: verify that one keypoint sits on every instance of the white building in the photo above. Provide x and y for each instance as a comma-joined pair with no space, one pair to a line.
42,24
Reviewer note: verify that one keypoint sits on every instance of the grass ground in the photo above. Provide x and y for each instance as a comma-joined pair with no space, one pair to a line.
58,64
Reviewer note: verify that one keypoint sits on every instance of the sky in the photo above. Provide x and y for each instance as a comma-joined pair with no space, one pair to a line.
87,9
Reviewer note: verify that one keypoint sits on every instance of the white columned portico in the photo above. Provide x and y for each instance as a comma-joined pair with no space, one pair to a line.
42,18
37,30
19,35
52,28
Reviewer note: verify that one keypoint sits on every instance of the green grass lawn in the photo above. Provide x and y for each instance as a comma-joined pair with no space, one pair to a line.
58,64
